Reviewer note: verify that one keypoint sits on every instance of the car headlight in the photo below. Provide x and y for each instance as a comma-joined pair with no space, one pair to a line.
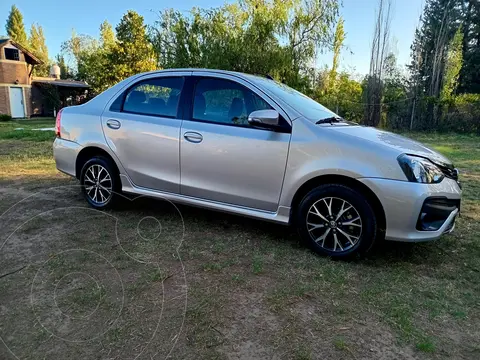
419,169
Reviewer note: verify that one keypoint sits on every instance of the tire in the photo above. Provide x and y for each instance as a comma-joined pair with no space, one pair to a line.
335,233
97,188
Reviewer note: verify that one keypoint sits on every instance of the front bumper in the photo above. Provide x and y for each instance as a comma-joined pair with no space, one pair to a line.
403,202
65,153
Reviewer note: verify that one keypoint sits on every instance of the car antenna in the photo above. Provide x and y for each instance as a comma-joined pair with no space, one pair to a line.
269,77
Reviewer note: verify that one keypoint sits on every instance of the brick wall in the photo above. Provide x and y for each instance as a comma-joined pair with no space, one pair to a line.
11,71
4,100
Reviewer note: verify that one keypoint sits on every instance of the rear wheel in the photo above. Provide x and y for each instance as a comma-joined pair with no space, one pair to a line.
337,221
100,182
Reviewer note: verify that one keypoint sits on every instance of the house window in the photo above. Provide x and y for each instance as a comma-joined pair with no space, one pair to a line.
12,54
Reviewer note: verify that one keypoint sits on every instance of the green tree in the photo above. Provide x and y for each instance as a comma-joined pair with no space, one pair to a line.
65,71
469,81
338,40
15,27
39,48
439,25
133,52
379,51
309,28
115,56
277,37
107,35
90,61
395,95
453,65
345,99
239,37
78,44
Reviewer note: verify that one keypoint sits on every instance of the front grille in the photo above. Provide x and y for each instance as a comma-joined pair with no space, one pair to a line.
449,171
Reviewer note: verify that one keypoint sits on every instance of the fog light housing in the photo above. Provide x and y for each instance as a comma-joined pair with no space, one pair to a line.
435,211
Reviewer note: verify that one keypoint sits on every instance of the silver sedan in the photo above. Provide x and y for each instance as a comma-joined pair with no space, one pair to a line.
251,146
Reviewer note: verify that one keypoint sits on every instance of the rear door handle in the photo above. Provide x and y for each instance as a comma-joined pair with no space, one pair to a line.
113,124
193,137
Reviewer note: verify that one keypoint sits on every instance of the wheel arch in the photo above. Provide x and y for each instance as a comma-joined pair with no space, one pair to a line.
311,184
89,152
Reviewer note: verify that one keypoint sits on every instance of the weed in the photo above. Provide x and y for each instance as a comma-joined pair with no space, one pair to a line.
426,346
257,264
340,344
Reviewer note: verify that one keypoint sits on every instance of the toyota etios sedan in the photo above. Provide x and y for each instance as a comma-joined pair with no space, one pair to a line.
251,146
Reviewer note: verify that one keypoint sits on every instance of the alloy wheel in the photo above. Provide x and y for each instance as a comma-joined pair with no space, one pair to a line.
334,224
98,184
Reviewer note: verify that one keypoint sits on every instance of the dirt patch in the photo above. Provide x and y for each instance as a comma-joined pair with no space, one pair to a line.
143,282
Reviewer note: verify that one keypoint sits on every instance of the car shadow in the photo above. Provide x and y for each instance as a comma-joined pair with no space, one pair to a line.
384,253
225,221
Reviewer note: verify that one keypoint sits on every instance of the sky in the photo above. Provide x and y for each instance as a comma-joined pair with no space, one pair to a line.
59,18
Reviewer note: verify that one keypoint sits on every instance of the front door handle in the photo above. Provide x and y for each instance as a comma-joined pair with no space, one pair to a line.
193,137
113,124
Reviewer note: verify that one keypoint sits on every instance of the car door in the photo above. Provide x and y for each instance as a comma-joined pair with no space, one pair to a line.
222,157
142,127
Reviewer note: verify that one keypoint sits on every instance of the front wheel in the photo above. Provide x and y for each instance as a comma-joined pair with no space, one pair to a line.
337,221
100,183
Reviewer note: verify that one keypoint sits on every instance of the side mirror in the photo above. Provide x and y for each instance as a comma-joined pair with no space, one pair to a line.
264,118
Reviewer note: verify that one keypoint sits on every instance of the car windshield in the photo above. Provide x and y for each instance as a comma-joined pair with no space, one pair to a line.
306,106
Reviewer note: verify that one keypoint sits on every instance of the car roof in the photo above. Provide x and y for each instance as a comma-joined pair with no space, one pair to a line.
226,72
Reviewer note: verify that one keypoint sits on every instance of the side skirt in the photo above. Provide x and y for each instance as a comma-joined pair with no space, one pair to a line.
281,216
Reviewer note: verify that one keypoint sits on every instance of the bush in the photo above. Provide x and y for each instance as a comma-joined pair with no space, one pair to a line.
460,113
463,114
5,117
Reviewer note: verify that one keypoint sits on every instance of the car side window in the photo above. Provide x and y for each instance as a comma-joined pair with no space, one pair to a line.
158,97
225,102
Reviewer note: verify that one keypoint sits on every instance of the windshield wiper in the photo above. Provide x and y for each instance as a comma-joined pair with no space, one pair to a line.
330,120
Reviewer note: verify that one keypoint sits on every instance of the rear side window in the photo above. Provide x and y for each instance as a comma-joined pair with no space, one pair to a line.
225,102
158,97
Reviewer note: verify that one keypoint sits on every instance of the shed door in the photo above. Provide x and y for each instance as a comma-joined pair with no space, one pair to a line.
16,102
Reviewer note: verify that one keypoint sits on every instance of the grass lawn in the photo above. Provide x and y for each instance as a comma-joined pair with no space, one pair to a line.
150,279
7,129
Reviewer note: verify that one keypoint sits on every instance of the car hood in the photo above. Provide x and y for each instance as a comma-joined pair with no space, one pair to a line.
393,141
